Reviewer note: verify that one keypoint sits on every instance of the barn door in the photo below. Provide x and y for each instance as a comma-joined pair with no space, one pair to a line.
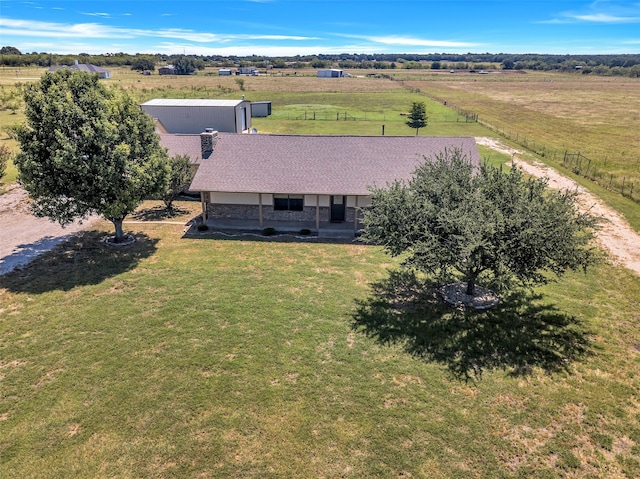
244,118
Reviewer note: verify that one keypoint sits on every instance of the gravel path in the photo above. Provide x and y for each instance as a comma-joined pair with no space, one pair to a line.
615,234
23,235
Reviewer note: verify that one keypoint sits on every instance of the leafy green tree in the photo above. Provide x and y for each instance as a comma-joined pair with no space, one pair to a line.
86,150
508,64
181,172
458,222
8,50
143,63
187,65
316,63
5,156
418,116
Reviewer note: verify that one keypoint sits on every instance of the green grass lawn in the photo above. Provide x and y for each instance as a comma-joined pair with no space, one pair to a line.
9,177
243,357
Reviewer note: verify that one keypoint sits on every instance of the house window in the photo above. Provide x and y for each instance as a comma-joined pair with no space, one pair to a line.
288,202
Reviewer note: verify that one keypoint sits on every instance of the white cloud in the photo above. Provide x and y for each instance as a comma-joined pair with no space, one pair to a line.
606,18
28,28
605,12
96,14
395,40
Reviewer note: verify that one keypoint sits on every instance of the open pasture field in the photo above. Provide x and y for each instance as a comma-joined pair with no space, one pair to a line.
305,104
240,358
596,116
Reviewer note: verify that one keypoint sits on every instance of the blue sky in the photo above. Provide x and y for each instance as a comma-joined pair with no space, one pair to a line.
304,27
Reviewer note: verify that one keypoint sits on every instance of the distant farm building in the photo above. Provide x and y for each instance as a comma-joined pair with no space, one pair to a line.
167,70
330,73
191,116
247,71
260,109
101,72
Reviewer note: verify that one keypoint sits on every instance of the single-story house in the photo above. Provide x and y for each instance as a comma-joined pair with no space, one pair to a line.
84,67
191,116
315,182
330,73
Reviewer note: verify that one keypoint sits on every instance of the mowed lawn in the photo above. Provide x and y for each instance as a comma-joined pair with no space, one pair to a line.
253,358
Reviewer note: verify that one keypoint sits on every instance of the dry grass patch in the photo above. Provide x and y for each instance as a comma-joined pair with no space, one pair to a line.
593,115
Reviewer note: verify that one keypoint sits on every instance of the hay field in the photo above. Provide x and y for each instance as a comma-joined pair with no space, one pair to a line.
597,116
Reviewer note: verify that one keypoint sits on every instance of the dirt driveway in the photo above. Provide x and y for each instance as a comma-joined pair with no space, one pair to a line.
615,234
23,236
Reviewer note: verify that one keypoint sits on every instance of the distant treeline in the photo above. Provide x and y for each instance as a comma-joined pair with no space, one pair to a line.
615,65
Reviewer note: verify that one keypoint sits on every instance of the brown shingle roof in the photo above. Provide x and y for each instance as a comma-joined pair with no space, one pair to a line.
182,145
331,165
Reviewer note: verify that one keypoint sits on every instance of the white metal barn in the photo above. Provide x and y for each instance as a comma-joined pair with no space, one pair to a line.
191,116
330,73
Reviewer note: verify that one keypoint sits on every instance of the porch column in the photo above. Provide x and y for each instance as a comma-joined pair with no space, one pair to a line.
203,201
355,215
260,208
318,213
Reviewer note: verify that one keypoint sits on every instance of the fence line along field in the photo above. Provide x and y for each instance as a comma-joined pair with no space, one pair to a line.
597,117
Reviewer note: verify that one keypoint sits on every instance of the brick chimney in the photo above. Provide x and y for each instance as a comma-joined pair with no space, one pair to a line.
208,140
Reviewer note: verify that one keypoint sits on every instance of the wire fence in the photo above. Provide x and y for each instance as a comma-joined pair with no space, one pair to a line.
327,115
592,169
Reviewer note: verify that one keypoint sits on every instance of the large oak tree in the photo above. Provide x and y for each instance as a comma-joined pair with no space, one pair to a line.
87,150
465,223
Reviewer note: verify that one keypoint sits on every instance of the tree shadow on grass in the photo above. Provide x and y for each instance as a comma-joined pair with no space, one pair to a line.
159,213
517,335
81,259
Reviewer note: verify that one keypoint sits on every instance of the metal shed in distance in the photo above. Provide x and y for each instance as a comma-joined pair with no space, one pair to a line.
191,116
330,73
260,109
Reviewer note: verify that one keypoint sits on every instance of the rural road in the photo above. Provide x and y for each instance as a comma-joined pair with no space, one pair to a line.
25,236
615,234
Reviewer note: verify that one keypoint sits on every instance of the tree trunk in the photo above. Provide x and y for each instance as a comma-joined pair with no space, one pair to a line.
471,286
117,223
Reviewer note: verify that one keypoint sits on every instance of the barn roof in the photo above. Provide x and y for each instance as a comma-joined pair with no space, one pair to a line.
304,164
190,102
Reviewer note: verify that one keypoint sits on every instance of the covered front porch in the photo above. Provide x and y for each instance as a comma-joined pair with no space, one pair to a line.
327,216
325,229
